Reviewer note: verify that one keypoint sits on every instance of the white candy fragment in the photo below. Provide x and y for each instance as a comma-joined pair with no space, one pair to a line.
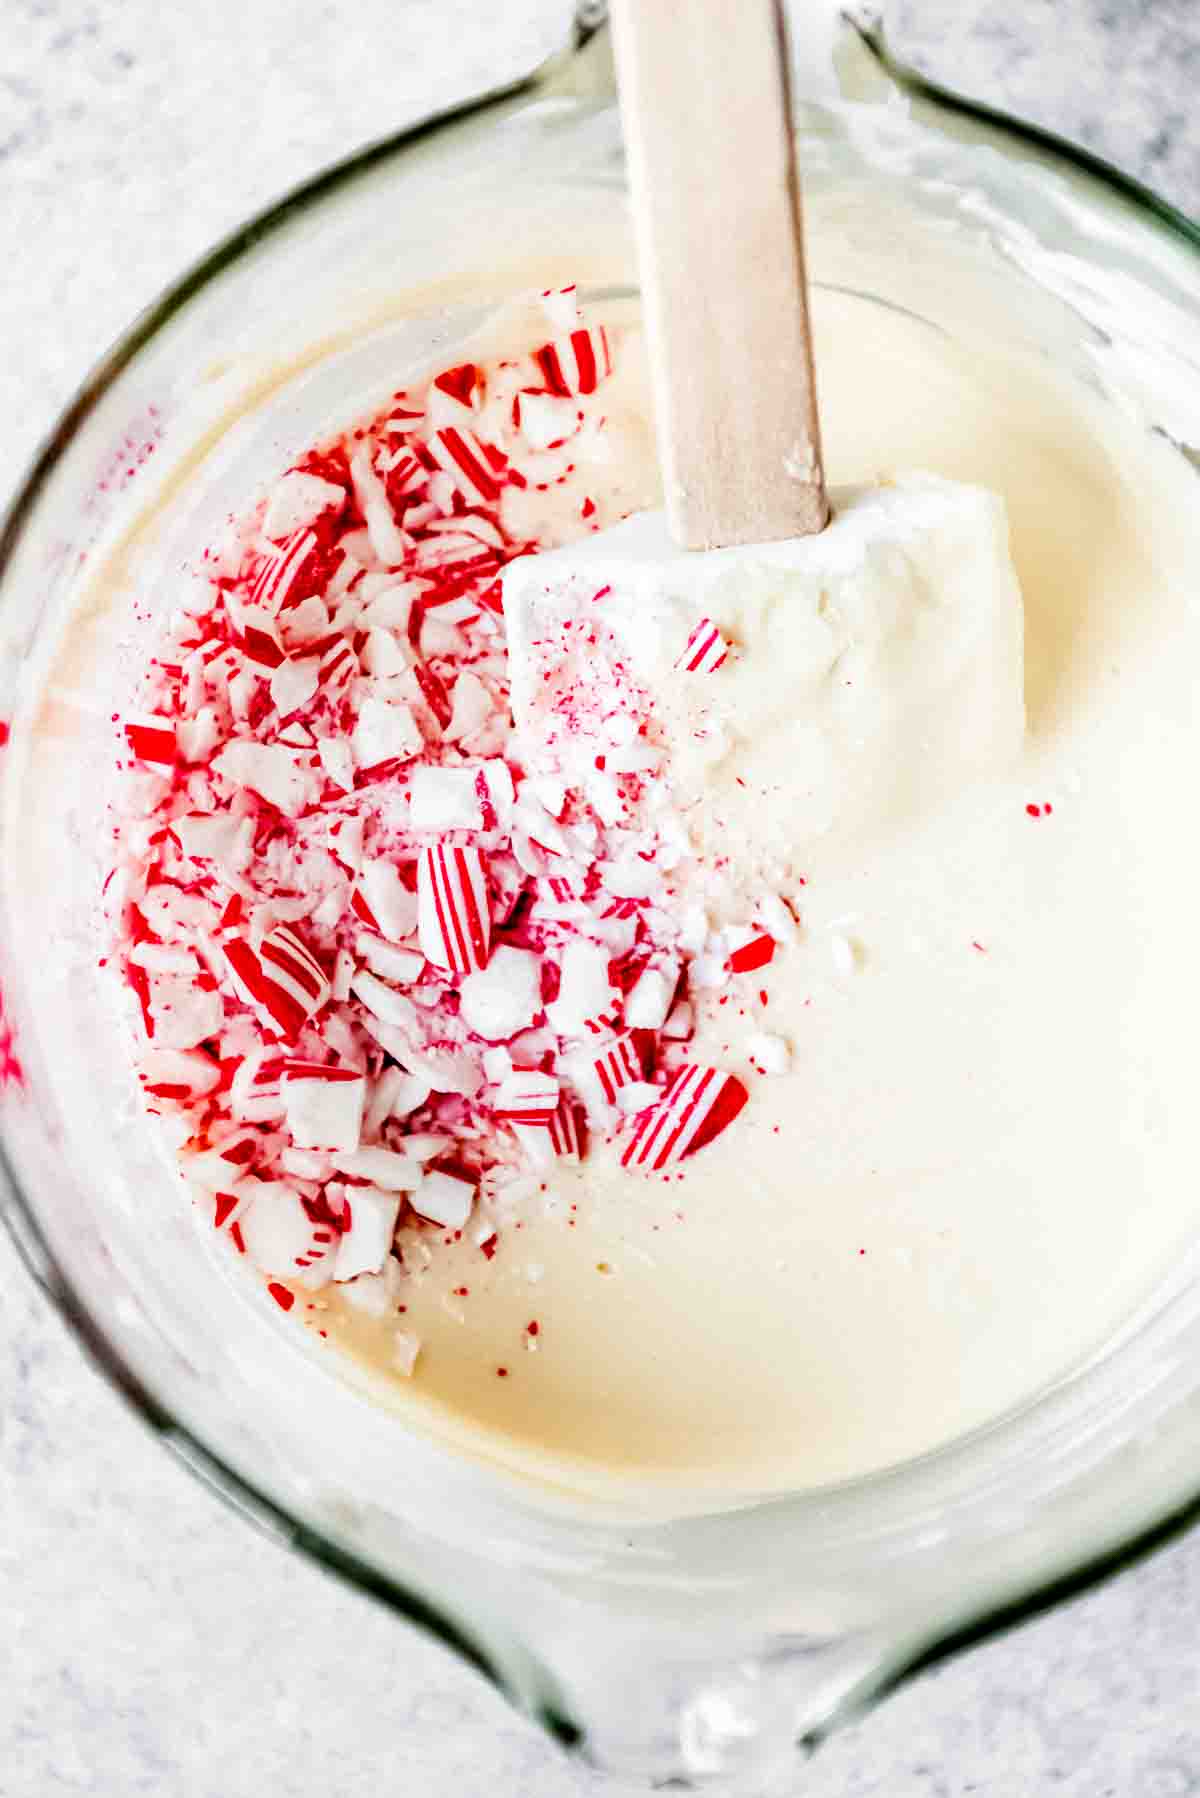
395,1095
444,1199
405,1349
391,608
771,1054
375,1294
585,994
298,500
324,1110
367,1241
400,966
215,836
220,1168
384,1168
182,1013
391,908
445,799
282,1239
383,1001
681,1022
777,919
505,997
386,731
471,707
180,1074
269,770
388,541
337,759
648,1003
497,1065
293,685
383,655
197,737
637,1096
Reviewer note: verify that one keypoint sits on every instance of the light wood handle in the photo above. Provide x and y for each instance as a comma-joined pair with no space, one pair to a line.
707,116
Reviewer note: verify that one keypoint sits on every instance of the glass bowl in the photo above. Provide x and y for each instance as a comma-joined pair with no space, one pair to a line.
700,1649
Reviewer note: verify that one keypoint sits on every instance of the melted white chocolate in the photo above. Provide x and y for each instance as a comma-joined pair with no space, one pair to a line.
981,1158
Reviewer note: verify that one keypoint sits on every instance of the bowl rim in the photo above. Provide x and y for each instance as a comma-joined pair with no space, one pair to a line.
532,1690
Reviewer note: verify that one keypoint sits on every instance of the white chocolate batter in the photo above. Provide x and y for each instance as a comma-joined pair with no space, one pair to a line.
981,1158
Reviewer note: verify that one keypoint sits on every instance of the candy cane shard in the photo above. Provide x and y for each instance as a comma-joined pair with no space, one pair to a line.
618,1065
283,979
151,739
699,1103
323,1107
277,576
576,363
453,919
527,1097
754,952
556,1138
705,651
459,454
367,1241
181,1075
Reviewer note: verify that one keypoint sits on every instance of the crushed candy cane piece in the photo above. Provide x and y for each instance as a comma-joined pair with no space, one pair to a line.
754,949
768,1053
386,731
445,799
706,650
323,1107
697,1106
333,988
366,1241
454,921
282,980
525,1096
556,1138
501,1000
444,1199
151,740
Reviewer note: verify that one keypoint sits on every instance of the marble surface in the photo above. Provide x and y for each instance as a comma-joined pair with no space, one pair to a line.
149,1642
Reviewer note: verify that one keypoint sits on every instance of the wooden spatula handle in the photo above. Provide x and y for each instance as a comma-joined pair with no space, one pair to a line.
707,115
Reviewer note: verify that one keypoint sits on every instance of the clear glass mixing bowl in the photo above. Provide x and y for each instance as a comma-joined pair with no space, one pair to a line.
699,1649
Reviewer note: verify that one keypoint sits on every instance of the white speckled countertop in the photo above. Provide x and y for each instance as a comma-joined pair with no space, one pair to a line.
149,1642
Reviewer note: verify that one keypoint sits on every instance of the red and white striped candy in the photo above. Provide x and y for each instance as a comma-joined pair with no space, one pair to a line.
460,454
706,649
256,1091
557,1138
151,739
277,576
527,1097
617,1065
337,667
453,918
283,979
577,363
408,473
699,1103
